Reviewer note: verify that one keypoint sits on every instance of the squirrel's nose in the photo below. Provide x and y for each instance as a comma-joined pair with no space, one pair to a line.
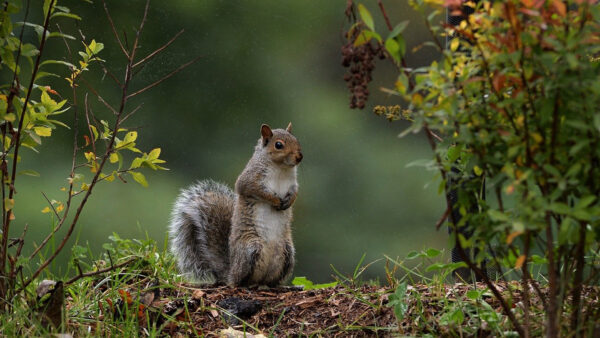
299,157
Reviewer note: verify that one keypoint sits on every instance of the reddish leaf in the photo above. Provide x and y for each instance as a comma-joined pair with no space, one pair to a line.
498,81
560,7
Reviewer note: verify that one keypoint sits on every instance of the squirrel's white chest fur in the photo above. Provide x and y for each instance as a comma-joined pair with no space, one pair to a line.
271,223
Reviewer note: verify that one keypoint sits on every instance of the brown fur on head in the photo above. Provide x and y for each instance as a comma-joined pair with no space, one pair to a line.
281,146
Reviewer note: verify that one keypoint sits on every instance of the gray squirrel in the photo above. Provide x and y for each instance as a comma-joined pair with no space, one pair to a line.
241,238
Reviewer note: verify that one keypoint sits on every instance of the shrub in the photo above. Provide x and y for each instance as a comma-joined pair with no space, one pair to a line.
513,102
103,147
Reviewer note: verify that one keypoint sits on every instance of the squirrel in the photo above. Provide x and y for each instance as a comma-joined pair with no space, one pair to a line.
241,238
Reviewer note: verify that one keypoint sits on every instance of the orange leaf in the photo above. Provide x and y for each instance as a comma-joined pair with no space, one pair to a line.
527,3
87,140
126,296
512,236
51,91
560,7
520,262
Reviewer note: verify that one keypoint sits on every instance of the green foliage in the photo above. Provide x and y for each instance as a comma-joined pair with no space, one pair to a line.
29,107
514,102
309,285
398,302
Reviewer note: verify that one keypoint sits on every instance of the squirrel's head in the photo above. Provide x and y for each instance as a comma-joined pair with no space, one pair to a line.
281,146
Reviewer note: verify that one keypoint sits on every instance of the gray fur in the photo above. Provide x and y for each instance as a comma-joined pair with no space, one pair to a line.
199,231
242,238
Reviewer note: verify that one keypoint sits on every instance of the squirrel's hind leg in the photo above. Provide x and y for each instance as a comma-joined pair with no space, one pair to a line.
243,260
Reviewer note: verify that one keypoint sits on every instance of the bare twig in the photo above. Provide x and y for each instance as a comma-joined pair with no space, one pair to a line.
385,16
97,272
164,77
153,54
439,223
51,206
132,112
114,30
93,90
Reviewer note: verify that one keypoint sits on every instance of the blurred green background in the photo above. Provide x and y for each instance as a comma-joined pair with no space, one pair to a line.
262,62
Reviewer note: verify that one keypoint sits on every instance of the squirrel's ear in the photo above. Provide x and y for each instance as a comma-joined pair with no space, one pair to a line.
289,128
266,133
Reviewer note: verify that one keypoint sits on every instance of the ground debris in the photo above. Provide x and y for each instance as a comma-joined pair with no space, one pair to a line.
343,310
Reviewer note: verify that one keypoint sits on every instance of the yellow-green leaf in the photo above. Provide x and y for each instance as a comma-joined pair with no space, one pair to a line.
10,117
154,154
46,210
140,178
366,17
130,137
454,44
43,131
114,158
90,156
9,203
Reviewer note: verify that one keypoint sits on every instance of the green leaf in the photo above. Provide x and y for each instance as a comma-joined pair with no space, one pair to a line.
40,75
393,48
431,252
66,15
366,36
398,29
140,178
29,50
29,172
302,281
457,316
473,294
398,302
497,216
454,153
308,285
366,17
58,62
585,201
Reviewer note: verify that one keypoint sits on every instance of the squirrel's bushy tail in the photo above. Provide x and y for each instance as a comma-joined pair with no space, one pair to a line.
199,230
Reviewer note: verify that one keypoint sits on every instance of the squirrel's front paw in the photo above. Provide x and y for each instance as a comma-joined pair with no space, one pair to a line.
285,202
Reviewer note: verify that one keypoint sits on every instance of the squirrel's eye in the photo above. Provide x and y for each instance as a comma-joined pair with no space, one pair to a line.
278,145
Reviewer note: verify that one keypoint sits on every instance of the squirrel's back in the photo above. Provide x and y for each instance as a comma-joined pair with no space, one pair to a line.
200,228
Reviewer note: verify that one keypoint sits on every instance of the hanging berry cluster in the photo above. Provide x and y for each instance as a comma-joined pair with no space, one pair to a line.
358,58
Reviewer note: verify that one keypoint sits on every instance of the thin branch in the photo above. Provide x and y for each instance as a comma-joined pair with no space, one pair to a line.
114,30
93,273
180,68
52,206
385,16
137,34
153,54
98,95
132,112
112,76
439,223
